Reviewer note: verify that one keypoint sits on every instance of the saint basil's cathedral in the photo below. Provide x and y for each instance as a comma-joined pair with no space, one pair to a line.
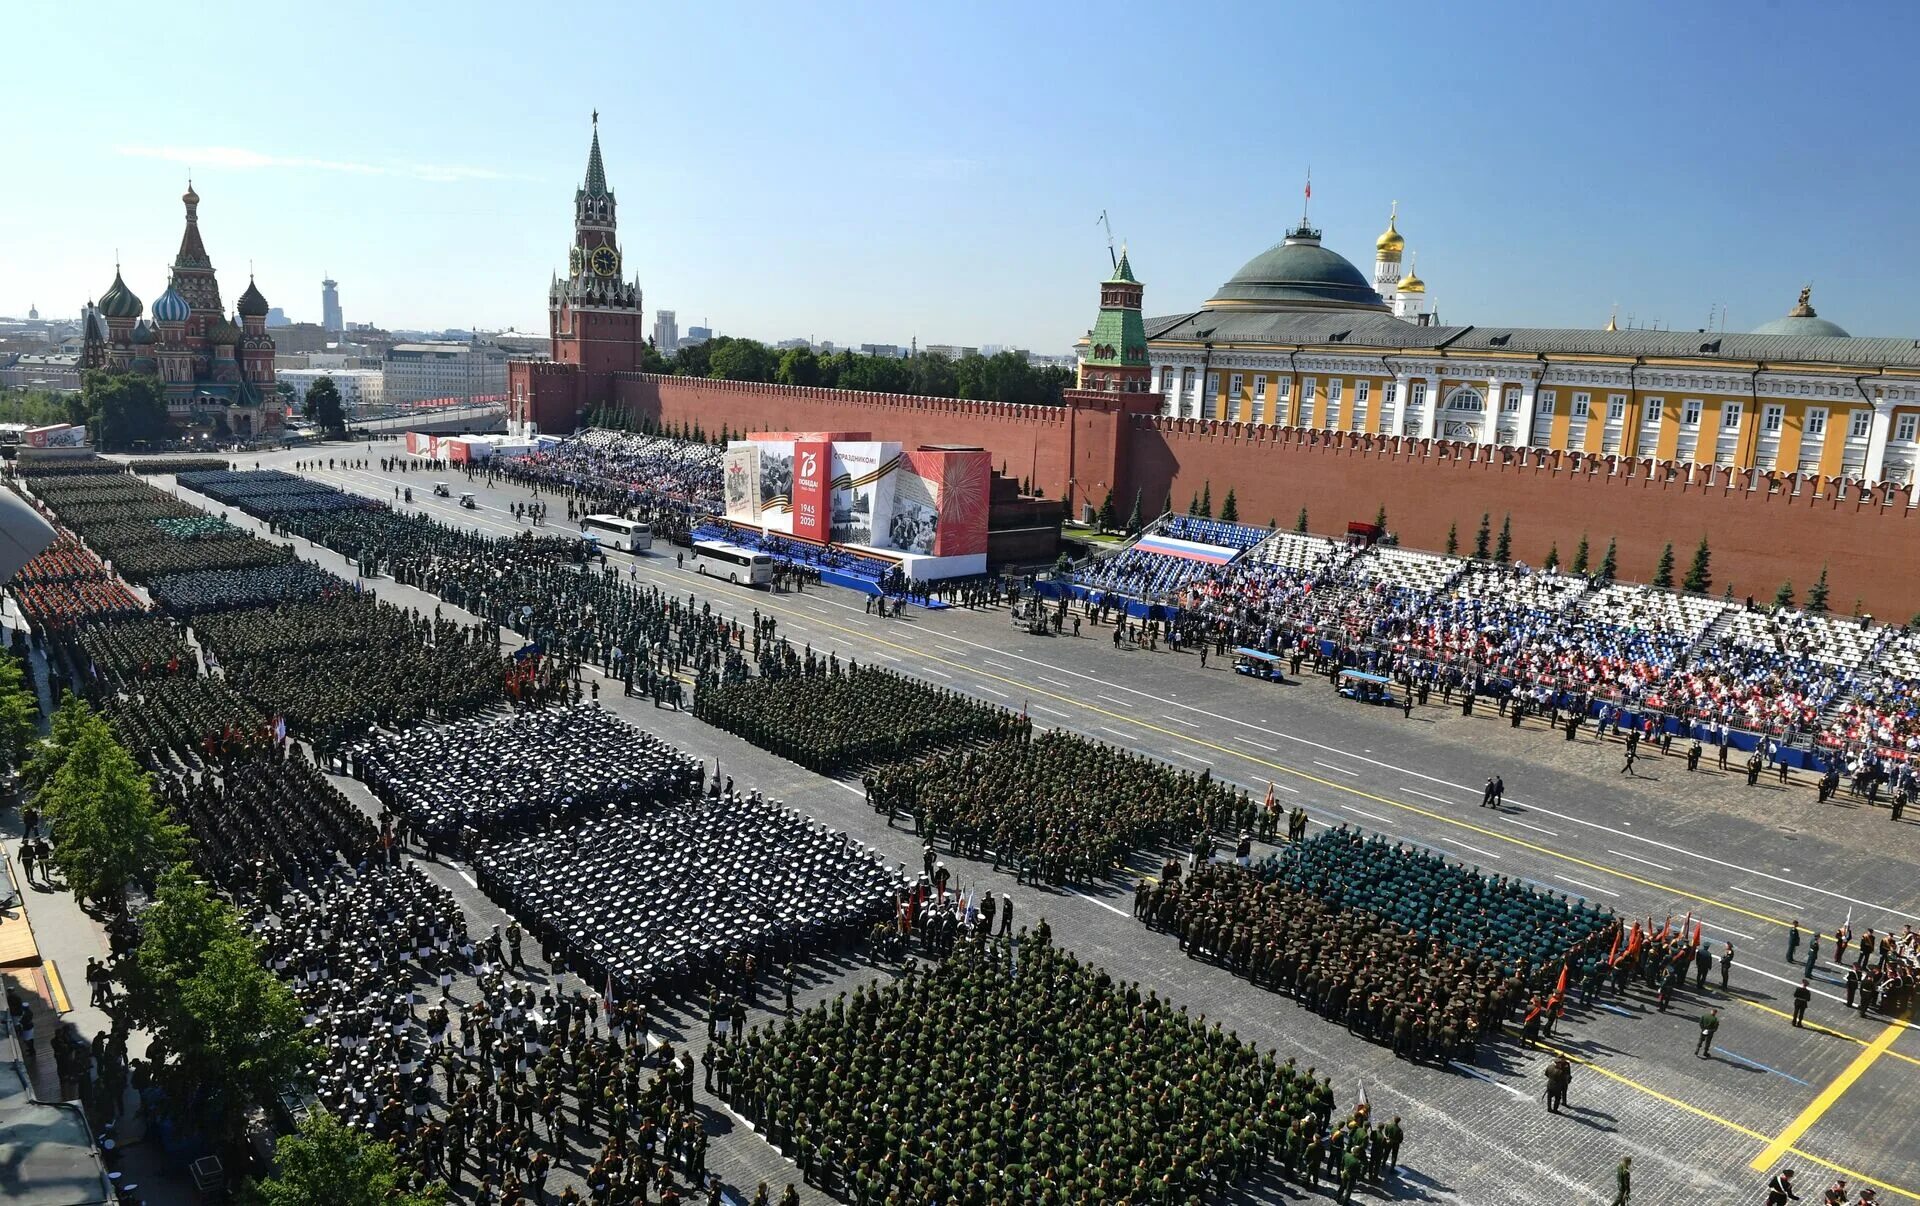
212,368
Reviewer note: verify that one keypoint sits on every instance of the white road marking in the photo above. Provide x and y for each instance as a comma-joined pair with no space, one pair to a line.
991,691
1003,666
1477,1074
1716,928
1049,711
1103,904
1345,770
1190,757
931,670
1535,828
1636,858
1763,896
1261,745
1117,733
885,657
471,882
1585,887
1476,850
1375,817
1056,682
1177,720
1125,703
1414,791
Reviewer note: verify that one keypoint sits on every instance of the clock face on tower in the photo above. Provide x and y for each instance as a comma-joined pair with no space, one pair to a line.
605,261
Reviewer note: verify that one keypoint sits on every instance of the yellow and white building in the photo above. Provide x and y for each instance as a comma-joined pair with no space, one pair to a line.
1299,337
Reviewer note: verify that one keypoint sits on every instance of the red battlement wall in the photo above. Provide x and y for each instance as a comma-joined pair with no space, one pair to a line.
1049,444
1763,529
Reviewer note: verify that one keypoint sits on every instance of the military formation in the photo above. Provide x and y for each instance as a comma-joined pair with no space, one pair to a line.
1350,966
833,718
1011,1072
484,780
662,901
1058,808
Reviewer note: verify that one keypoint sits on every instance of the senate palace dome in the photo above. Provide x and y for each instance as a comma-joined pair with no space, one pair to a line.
1298,273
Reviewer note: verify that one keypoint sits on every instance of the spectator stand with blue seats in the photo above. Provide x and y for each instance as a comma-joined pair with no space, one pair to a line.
870,573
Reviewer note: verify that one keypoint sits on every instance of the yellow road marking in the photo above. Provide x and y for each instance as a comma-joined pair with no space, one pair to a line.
1784,1144
1832,1093
1283,768
1851,1038
56,991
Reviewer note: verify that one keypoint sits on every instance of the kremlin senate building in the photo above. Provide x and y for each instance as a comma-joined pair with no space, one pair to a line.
1303,385
212,368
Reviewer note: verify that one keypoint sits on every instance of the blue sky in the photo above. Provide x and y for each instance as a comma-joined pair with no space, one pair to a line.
876,172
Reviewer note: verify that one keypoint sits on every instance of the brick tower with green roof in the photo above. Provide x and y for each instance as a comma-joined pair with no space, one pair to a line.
1116,358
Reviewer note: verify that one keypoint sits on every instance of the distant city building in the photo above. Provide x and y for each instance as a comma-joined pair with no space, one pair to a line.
826,347
362,326
666,332
696,335
33,312
330,316
523,343
882,349
53,370
276,317
419,372
785,344
952,351
361,390
327,360
1041,360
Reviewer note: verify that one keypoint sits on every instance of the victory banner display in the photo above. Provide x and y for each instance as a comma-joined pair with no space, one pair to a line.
812,462
740,483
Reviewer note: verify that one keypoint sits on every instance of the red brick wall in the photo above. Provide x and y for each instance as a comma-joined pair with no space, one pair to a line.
1759,536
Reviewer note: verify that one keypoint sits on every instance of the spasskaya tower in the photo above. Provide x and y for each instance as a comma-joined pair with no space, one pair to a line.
595,319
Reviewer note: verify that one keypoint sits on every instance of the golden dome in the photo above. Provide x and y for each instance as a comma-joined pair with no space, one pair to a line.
1390,244
1411,282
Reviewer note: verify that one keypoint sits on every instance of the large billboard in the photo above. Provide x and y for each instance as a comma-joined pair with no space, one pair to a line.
740,483
940,504
812,462
862,496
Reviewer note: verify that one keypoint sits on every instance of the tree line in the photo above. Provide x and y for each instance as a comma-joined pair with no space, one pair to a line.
1002,377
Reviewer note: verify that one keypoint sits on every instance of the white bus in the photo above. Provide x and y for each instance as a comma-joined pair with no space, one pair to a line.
732,562
623,535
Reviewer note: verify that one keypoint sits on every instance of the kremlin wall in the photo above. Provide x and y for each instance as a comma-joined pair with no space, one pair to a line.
1797,454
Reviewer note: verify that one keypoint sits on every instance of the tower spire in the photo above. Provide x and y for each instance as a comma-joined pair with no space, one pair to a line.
596,184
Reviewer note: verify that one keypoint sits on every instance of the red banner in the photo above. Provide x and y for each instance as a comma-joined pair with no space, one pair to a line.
812,467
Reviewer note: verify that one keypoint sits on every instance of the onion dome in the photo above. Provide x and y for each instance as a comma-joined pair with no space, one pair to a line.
144,333
171,307
1802,320
1411,282
252,304
118,301
1390,244
222,332
96,324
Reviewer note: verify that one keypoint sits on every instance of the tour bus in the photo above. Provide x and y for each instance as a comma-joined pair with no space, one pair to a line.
624,535
732,562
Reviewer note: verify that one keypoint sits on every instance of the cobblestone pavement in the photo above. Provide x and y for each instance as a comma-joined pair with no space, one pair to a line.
1746,861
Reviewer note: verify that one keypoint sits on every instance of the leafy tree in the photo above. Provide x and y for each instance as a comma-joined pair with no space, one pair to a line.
1482,537
1699,577
326,1163
1580,555
1230,509
107,829
1503,547
1107,517
183,923
1300,524
123,409
1817,594
40,407
1663,573
324,407
1553,556
19,713
1134,520
1784,596
1206,500
1610,563
1453,539
70,719
798,366
652,361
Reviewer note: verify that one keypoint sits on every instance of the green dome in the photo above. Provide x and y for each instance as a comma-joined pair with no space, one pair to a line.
118,301
1802,320
1300,272
251,304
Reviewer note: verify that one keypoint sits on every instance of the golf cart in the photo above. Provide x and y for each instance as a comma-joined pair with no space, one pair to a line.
466,499
440,490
